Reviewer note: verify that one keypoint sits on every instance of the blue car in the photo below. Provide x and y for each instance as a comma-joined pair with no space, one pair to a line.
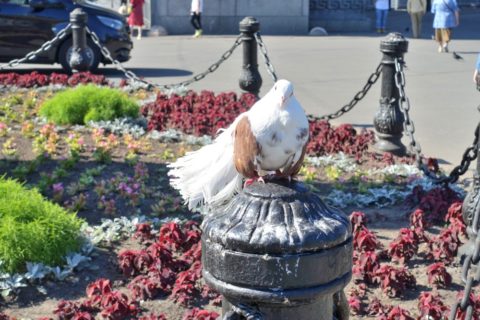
27,24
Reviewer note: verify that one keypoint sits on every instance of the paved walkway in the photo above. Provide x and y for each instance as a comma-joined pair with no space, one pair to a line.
328,71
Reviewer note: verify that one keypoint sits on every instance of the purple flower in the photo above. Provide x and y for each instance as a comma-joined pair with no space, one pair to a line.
57,187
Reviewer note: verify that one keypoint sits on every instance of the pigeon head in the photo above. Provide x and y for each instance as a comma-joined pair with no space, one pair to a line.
282,90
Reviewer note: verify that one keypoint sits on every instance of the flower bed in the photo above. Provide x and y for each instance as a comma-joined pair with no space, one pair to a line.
146,263
36,79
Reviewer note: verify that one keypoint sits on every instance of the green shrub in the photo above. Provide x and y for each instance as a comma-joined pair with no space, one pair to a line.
33,229
88,102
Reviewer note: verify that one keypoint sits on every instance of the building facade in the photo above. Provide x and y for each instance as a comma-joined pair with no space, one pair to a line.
277,17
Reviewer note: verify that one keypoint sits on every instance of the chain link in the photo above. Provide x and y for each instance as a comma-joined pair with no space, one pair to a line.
263,50
359,96
44,48
133,77
469,155
247,312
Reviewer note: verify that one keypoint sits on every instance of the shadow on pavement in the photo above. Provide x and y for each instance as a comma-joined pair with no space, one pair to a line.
146,72
111,72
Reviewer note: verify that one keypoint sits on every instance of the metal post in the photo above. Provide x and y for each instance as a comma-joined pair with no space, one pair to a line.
389,119
250,79
470,208
277,252
79,59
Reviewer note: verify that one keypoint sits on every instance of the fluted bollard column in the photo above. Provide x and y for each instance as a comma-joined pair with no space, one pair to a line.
277,252
250,79
79,59
389,119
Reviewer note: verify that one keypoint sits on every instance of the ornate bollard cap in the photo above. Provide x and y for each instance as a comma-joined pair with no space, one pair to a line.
275,242
78,16
394,42
249,24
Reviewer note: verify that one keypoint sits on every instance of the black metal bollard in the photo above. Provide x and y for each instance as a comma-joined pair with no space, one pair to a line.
79,59
471,213
250,79
389,119
276,251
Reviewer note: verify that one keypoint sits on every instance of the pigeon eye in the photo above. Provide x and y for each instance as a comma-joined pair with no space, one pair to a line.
275,88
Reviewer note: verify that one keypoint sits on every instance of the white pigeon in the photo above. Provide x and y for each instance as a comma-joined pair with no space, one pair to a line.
271,137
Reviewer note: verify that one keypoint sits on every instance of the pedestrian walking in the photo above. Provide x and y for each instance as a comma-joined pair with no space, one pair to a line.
135,19
381,12
446,17
416,9
195,17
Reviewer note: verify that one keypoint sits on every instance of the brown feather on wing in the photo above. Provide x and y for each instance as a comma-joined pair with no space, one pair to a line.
245,149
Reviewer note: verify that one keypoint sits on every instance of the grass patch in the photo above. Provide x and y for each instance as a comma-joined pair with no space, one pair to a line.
88,102
33,229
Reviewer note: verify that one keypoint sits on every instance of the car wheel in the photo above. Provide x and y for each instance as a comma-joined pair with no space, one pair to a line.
65,52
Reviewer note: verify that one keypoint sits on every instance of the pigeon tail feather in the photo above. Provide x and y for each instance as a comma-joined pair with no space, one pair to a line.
208,175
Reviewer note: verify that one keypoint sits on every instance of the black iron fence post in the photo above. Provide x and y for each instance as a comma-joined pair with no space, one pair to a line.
277,252
79,59
389,119
471,204
250,79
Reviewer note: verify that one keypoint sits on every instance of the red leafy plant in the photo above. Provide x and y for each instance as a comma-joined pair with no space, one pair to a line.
394,281
133,262
376,308
438,275
396,313
404,247
143,232
185,288
36,79
365,240
198,314
365,265
114,305
434,203
431,306
324,139
355,304
444,247
194,113
205,113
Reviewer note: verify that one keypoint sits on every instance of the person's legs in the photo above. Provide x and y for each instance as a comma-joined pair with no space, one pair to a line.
197,24
438,38
193,21
415,25
384,20
378,21
139,32
446,34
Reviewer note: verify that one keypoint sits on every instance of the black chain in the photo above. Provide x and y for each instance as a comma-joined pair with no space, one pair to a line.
471,259
263,50
469,155
247,312
133,77
359,96
45,47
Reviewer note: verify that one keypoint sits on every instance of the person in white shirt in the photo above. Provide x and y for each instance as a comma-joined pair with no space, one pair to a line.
381,10
195,13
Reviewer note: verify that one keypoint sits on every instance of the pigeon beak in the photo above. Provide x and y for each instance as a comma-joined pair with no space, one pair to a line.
283,99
